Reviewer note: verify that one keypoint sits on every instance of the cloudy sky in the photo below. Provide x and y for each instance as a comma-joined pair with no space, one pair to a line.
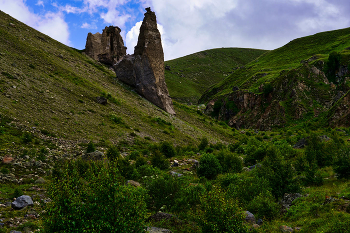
187,26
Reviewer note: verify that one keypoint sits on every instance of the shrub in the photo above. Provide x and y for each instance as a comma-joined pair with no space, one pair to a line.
134,155
140,161
220,214
113,153
332,66
26,137
229,162
167,149
203,144
97,202
90,147
255,150
209,166
5,170
264,206
158,160
279,173
17,193
190,196
227,179
342,164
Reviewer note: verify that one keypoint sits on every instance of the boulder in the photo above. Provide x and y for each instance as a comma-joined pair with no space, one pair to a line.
133,183
288,199
285,228
22,202
175,174
101,100
144,70
96,155
93,45
300,144
40,180
249,217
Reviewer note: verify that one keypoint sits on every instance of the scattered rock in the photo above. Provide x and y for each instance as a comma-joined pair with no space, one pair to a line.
285,228
144,70
260,222
175,174
22,202
97,155
12,25
249,217
133,183
158,230
101,100
175,163
325,138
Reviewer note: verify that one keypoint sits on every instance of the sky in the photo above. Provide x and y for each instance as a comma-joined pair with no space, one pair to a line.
186,26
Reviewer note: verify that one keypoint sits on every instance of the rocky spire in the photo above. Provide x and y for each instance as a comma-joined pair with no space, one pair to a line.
145,69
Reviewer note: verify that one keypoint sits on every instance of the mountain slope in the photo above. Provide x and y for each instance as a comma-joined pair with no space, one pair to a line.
54,88
188,77
285,85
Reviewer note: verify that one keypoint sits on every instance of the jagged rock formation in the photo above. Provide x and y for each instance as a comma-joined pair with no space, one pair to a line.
108,47
144,70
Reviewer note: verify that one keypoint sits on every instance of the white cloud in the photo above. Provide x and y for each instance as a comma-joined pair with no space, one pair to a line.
131,37
51,24
40,3
89,26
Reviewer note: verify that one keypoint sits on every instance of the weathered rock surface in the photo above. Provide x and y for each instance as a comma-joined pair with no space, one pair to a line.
22,202
97,155
249,217
288,199
157,230
144,70
108,47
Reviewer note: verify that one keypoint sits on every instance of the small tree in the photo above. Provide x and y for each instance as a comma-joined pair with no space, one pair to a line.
90,147
167,149
204,143
209,166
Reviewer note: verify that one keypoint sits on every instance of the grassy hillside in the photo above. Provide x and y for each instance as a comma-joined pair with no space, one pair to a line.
188,77
49,86
290,66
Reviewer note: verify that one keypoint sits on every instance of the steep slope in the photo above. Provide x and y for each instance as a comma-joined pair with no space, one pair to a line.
50,88
285,85
188,77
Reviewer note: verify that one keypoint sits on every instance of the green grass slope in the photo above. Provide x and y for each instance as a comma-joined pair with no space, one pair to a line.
191,75
52,87
287,84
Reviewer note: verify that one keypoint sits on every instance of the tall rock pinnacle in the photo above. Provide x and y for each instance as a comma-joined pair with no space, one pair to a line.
144,70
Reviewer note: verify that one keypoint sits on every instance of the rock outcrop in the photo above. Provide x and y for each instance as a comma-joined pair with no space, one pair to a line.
108,47
144,70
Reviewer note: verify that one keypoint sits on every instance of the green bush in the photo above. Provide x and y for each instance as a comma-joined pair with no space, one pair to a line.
140,161
97,202
26,137
158,160
255,150
279,173
332,66
245,189
203,144
189,197
90,147
113,153
264,206
134,155
226,179
220,214
17,193
167,149
229,162
342,164
209,166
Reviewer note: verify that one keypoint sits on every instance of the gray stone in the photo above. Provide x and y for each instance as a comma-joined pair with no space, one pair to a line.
40,181
288,199
101,100
133,183
249,217
300,144
96,155
158,230
176,174
260,222
22,202
285,228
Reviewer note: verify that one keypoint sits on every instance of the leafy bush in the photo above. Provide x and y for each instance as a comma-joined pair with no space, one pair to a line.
227,179
342,164
167,149
134,155
332,66
279,173
189,197
255,150
113,153
245,189
97,202
90,147
158,160
26,137
203,144
140,161
17,193
264,206
229,162
220,214
209,166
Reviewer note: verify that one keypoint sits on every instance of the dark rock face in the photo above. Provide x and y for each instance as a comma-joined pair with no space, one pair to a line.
108,47
22,202
145,69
